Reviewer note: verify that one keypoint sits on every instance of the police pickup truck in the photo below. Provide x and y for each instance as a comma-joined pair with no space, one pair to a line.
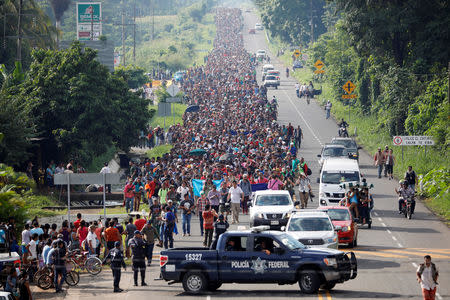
257,256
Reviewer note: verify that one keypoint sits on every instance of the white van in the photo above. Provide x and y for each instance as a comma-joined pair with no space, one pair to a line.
336,171
266,68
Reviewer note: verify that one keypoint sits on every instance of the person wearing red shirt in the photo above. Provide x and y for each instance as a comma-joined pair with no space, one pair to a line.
208,224
77,222
140,223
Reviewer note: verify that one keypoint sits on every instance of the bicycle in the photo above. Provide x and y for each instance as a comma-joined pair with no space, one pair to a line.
46,280
81,262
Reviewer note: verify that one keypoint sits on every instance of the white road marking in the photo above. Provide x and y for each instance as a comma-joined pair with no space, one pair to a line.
379,219
415,265
303,118
390,232
375,213
400,245
384,225
208,297
394,238
439,296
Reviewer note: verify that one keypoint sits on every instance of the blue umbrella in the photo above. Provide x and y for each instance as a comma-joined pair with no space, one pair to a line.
193,108
197,152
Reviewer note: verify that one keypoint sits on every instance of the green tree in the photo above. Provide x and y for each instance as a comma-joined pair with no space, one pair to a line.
78,107
134,76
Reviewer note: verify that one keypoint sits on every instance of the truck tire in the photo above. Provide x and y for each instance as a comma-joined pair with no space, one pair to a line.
194,282
213,286
309,281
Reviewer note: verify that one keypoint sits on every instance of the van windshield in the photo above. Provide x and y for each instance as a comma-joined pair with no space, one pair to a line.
334,177
310,224
270,200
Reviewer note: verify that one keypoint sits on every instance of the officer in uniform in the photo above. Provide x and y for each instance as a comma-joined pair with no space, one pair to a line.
138,250
117,262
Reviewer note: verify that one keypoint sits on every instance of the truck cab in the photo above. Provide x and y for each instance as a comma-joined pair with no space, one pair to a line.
256,256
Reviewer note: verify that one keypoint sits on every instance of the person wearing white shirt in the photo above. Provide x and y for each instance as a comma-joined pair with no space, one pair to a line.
26,238
236,195
427,276
91,240
106,170
182,190
31,247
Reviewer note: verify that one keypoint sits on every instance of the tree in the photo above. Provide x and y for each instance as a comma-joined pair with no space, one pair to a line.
134,76
78,107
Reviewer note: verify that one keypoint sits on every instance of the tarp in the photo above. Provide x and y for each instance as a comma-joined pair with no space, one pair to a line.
198,185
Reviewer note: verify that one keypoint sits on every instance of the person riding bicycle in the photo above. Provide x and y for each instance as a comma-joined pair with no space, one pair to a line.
405,193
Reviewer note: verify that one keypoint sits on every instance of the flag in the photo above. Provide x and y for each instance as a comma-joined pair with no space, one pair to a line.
197,185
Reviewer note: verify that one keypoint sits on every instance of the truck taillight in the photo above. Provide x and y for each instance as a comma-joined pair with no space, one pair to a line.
163,259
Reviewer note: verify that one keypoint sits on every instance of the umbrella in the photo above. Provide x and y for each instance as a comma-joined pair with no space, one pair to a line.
197,152
193,108
226,157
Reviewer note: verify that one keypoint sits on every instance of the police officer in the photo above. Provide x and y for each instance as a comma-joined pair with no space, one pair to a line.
220,227
117,262
137,245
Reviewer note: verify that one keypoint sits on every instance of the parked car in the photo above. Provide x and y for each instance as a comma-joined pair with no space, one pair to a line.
258,26
256,256
313,228
251,31
297,65
349,144
272,208
342,217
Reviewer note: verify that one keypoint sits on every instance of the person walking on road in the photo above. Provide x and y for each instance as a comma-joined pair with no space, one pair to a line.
378,160
208,223
385,154
235,195
298,136
328,108
59,262
304,189
169,225
117,262
137,245
220,227
390,160
201,203
411,178
186,214
427,275
150,235
246,187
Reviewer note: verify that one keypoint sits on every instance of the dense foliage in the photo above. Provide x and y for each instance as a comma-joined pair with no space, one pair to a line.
78,109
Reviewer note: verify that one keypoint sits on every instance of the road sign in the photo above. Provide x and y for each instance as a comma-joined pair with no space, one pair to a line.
319,64
164,109
352,96
173,100
413,140
86,178
319,71
297,53
89,18
173,89
349,87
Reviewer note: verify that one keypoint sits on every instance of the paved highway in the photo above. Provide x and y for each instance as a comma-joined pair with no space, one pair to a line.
388,254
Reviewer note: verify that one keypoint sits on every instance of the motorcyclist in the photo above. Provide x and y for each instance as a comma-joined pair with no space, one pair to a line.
287,72
342,125
405,192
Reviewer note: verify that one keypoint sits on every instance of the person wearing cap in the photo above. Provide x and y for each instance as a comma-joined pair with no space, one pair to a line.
150,234
378,161
106,170
201,203
137,245
220,227
304,189
117,262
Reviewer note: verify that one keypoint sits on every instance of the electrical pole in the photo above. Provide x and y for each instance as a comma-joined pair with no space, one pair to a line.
311,21
19,33
92,23
448,89
134,32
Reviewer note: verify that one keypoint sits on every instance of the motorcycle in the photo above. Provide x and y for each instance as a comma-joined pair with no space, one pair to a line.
343,131
407,207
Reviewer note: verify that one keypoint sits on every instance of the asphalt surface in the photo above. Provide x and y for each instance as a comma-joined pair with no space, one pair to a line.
388,254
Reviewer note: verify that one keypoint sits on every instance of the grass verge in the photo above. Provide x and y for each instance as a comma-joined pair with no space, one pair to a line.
34,206
158,151
177,119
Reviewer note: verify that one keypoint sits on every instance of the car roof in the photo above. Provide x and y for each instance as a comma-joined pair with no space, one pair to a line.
273,71
261,50
249,231
268,66
342,164
272,192
309,214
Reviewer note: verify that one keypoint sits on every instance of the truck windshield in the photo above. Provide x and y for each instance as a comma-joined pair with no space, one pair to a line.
335,152
339,177
310,224
269,200
291,242
338,214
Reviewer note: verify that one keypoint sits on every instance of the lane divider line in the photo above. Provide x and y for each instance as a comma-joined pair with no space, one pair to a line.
394,238
384,225
415,265
319,295
303,118
328,295
380,219
375,213
390,232
400,245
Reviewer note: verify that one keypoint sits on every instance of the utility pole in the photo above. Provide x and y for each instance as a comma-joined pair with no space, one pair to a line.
19,33
134,32
448,89
123,38
92,23
311,21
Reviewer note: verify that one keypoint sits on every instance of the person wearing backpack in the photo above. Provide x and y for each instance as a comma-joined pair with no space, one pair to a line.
117,262
427,276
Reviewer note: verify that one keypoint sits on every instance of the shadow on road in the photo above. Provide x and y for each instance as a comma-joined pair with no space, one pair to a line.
371,264
341,294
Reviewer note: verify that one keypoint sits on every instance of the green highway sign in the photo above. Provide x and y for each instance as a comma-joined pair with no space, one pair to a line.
88,12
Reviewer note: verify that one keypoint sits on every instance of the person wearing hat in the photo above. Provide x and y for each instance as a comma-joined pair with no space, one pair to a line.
117,262
137,245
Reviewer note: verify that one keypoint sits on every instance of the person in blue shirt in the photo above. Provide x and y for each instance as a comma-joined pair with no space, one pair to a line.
2,236
46,250
169,225
36,229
